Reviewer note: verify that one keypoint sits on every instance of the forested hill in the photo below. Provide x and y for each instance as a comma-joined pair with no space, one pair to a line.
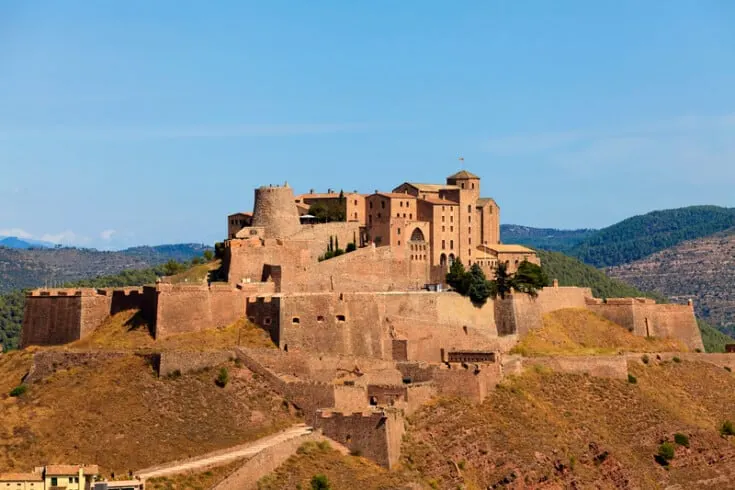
641,236
37,267
546,238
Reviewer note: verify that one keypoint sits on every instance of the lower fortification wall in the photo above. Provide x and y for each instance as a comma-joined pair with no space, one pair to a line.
183,362
645,318
375,434
195,307
598,366
46,363
52,320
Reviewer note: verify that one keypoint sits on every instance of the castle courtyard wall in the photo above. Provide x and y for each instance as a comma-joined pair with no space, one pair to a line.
52,318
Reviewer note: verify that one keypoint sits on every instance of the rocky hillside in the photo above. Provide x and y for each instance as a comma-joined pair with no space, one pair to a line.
702,269
21,268
140,420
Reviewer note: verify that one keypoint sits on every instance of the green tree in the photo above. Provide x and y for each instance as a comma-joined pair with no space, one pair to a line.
478,290
503,280
457,277
208,255
529,278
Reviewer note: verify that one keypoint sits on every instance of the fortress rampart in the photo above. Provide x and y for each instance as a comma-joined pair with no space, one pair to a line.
375,434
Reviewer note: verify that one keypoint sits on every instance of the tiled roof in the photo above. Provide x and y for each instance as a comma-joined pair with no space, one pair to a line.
463,174
395,195
430,187
241,214
71,469
503,248
484,200
436,201
20,477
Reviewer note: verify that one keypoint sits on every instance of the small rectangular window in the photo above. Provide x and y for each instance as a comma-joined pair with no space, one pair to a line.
295,320
341,318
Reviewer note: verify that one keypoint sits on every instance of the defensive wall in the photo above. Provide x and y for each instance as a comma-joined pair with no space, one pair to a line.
645,318
60,316
183,362
599,366
367,324
375,434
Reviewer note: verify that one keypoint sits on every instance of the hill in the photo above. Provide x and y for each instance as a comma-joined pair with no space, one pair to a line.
637,237
546,238
28,268
550,430
702,269
15,242
139,420
571,272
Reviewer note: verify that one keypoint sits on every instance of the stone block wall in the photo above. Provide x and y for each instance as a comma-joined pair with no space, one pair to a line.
644,317
194,307
375,434
598,366
56,316
473,381
46,363
187,361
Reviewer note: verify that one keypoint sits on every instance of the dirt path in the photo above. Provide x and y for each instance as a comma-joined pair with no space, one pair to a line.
224,456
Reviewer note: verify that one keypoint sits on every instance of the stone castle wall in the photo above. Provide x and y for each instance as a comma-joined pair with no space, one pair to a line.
644,317
365,324
187,361
376,434
194,307
599,366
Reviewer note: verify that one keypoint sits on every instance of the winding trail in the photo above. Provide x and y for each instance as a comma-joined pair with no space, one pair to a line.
225,456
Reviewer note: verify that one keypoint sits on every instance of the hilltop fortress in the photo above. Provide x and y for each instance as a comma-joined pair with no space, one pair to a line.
377,312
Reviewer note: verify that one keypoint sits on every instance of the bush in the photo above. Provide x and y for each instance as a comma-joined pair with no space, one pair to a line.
666,452
645,359
175,374
223,378
19,390
681,439
676,359
351,247
632,379
727,429
728,369
208,255
320,482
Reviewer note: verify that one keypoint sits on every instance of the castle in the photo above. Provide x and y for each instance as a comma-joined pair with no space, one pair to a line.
362,339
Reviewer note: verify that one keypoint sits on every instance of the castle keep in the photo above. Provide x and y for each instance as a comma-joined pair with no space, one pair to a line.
364,336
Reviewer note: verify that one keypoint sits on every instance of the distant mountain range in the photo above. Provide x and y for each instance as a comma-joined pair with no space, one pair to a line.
23,243
33,267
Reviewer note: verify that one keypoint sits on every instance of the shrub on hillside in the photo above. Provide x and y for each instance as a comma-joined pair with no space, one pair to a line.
320,482
632,379
223,377
666,453
676,359
18,390
681,439
727,429
645,359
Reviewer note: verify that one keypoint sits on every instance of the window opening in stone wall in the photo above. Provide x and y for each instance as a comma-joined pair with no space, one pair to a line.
320,319
348,438
295,320
267,320
443,260
371,204
399,231
443,244
417,235
399,243
469,208
341,318
382,204
410,215
451,244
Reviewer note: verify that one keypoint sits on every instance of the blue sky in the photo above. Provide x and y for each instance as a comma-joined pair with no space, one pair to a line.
142,122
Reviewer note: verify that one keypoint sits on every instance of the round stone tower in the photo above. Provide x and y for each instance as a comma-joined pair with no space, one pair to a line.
275,210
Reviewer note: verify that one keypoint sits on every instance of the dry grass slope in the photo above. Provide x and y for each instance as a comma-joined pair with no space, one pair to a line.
576,331
547,430
118,414
343,472
127,331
